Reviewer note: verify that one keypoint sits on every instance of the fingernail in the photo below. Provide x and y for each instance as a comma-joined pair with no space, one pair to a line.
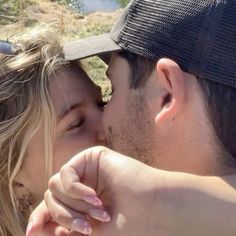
93,200
99,214
81,226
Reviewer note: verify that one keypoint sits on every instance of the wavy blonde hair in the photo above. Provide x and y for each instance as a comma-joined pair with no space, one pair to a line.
25,104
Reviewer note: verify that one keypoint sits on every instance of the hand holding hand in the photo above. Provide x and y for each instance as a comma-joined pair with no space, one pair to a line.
93,185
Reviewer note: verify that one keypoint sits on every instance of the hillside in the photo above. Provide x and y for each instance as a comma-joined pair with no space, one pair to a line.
18,16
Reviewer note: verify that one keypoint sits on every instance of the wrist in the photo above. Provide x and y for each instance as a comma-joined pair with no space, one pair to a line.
196,204
159,218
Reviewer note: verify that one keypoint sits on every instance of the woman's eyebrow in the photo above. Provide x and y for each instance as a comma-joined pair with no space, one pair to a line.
67,109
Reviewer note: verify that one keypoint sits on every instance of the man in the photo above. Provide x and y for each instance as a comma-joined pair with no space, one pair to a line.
173,79
140,200
174,84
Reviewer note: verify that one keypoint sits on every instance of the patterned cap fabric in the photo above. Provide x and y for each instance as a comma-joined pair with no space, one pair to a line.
200,35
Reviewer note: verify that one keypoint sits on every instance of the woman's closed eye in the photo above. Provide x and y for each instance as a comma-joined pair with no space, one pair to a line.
75,125
101,104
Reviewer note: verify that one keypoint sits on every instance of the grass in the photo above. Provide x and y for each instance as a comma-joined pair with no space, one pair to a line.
18,16
123,3
10,11
95,68
68,23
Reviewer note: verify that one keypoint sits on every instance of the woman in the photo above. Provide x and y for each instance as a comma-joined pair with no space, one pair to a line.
50,110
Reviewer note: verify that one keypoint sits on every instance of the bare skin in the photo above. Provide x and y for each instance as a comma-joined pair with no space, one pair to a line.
176,137
78,107
173,199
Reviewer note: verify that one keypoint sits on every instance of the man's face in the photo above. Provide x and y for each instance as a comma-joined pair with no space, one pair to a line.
162,123
128,124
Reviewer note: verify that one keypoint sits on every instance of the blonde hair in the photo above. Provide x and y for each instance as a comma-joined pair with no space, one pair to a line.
25,104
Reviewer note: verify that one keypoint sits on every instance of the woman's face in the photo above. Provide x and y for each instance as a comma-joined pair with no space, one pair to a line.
78,105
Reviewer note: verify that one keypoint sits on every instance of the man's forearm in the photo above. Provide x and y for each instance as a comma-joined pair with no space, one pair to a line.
199,205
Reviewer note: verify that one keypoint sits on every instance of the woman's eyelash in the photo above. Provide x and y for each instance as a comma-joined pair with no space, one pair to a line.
76,124
101,103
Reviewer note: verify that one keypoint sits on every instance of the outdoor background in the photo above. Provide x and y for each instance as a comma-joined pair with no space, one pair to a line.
71,19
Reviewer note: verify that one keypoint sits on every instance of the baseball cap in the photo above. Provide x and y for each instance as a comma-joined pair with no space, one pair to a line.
200,35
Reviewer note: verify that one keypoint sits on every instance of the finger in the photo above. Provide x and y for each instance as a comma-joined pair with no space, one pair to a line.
80,206
77,169
38,219
72,188
74,233
65,216
56,188
53,229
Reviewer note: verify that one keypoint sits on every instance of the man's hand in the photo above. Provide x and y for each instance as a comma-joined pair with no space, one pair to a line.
98,175
140,200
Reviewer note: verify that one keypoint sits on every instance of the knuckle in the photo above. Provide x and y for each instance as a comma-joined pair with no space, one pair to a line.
101,149
63,170
96,150
52,183
58,217
70,189
47,196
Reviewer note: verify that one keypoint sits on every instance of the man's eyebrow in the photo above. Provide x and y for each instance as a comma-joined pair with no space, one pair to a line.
98,90
67,109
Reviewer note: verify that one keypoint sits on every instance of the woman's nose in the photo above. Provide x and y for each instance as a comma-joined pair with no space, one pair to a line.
101,137
100,133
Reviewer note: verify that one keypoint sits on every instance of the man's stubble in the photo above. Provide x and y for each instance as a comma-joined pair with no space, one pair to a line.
135,134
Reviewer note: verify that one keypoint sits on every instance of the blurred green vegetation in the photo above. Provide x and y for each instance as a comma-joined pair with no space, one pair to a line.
96,69
11,10
17,16
123,3
62,1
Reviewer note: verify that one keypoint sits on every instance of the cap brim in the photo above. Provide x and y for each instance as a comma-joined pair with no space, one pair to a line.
91,46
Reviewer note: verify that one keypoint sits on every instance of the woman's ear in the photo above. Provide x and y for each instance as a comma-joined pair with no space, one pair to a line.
173,82
24,198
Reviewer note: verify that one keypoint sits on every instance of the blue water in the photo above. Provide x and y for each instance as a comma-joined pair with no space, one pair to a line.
87,6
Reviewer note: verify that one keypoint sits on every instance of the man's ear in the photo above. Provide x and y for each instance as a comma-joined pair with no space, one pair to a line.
173,82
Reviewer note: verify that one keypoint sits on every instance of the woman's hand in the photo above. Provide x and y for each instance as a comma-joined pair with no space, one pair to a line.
95,176
141,200
41,223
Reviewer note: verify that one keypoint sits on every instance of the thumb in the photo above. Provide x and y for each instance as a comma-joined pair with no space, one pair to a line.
38,219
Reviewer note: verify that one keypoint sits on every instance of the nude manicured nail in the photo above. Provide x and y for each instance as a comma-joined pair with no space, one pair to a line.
99,214
93,200
81,226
